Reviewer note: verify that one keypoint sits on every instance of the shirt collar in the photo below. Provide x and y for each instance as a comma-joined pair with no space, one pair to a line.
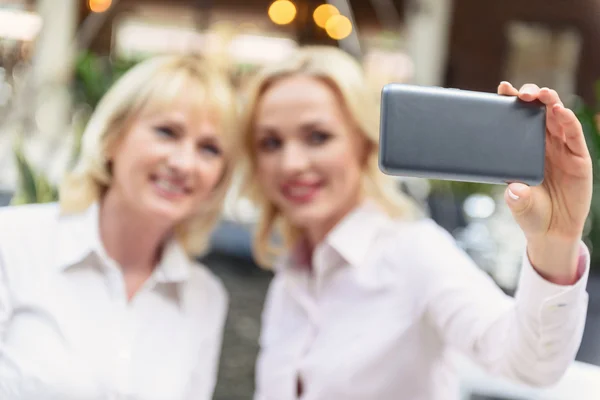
351,238
174,265
78,237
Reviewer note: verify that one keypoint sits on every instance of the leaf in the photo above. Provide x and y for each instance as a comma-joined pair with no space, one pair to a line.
597,93
587,115
45,190
95,74
33,187
587,118
90,78
18,200
595,206
77,141
27,180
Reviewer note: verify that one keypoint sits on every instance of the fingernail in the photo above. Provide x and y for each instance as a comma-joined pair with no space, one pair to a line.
512,195
527,91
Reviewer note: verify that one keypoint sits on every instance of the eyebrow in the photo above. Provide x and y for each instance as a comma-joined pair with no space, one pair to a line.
309,126
213,138
304,127
169,120
265,130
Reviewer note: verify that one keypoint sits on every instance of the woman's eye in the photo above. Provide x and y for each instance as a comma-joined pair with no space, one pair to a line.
269,144
165,131
211,149
318,137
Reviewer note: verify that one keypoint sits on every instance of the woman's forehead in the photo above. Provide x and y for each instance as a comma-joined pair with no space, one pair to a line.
188,103
183,114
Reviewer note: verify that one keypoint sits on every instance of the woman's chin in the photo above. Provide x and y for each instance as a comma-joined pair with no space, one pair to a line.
164,212
306,217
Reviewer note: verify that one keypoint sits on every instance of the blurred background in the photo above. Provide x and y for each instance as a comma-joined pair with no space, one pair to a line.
58,57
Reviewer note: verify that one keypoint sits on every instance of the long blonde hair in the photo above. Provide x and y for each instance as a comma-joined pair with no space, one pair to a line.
154,84
345,75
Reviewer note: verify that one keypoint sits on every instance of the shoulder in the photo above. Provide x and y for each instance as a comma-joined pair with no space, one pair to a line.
24,223
419,235
28,237
206,297
203,301
422,247
29,213
204,280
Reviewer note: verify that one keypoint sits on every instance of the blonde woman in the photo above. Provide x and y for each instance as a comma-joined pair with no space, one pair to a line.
100,297
368,298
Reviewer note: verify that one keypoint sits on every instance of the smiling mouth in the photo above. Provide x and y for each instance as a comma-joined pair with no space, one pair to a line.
301,193
169,189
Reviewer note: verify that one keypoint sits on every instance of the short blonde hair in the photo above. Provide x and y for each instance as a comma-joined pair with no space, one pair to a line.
153,84
344,75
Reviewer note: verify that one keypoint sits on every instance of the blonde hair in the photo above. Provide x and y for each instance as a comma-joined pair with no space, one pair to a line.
344,75
153,84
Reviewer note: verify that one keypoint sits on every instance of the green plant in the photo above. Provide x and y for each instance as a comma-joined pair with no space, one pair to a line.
34,187
93,76
589,116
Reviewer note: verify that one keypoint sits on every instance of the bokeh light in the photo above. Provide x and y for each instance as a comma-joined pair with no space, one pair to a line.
322,14
282,12
99,6
338,27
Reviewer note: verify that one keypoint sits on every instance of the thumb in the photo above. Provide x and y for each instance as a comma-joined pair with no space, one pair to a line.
530,208
518,198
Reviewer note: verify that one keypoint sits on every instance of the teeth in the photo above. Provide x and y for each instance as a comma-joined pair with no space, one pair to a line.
300,190
169,187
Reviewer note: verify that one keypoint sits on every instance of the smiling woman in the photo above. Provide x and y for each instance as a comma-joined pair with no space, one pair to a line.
369,298
167,95
111,303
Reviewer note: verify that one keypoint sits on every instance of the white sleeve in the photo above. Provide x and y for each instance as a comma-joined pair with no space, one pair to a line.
530,339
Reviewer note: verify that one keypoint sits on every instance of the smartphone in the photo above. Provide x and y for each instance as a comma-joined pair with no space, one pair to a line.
452,134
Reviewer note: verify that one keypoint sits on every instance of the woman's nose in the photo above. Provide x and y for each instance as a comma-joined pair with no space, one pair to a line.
294,158
182,158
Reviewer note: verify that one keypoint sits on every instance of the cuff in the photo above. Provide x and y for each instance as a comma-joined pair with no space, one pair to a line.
536,294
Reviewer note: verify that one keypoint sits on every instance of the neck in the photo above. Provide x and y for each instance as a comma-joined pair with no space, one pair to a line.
316,233
129,238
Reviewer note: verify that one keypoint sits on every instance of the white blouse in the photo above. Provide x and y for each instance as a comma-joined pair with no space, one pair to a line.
67,330
386,303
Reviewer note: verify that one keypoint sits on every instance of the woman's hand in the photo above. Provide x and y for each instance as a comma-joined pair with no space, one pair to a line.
552,214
